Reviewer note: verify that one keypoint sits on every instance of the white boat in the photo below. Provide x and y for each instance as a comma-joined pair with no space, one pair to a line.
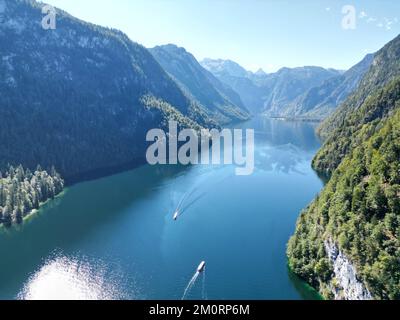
176,215
201,267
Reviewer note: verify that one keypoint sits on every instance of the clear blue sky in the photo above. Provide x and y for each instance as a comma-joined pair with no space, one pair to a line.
255,33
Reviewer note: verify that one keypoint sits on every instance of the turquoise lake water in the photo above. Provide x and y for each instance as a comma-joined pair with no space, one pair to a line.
114,238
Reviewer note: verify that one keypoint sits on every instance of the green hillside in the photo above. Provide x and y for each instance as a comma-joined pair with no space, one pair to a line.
359,209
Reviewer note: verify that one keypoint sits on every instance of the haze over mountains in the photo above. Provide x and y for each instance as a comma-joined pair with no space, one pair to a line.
302,93
238,79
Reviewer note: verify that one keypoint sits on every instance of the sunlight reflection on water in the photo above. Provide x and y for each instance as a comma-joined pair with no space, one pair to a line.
66,278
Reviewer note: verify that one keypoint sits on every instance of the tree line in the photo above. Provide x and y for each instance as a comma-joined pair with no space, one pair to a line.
22,191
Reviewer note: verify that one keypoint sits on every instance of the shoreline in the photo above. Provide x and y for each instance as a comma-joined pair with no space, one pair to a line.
32,214
294,119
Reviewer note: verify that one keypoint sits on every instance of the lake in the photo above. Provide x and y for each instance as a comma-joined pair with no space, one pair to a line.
114,238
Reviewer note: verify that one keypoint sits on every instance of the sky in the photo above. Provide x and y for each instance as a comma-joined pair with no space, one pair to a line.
267,34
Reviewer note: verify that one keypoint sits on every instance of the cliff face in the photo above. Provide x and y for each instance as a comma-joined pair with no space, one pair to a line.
345,284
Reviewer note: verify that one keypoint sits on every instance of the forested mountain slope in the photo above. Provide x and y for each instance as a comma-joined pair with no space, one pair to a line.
72,97
219,99
320,101
346,242
239,79
341,129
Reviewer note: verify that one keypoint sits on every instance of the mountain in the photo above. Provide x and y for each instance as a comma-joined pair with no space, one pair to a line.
221,68
346,242
80,97
239,79
340,130
260,73
282,88
273,93
384,67
320,101
219,99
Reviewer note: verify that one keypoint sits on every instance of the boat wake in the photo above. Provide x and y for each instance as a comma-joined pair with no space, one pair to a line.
182,208
201,269
190,285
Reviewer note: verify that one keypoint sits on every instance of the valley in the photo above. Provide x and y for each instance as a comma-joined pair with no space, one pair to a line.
85,215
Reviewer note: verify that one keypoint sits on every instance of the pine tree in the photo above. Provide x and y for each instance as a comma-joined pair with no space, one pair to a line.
21,191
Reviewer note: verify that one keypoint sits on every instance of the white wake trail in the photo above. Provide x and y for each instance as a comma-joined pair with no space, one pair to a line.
190,284
204,293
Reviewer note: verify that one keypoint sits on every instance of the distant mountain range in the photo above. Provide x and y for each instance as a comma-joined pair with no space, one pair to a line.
304,93
239,79
282,88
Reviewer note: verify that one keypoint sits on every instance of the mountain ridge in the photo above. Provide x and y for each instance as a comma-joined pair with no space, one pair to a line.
78,90
269,93
219,99
357,214
320,101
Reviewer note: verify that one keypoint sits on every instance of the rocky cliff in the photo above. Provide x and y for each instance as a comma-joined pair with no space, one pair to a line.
345,284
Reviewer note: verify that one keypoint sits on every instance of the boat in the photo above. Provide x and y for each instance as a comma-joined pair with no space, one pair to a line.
201,267
176,215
